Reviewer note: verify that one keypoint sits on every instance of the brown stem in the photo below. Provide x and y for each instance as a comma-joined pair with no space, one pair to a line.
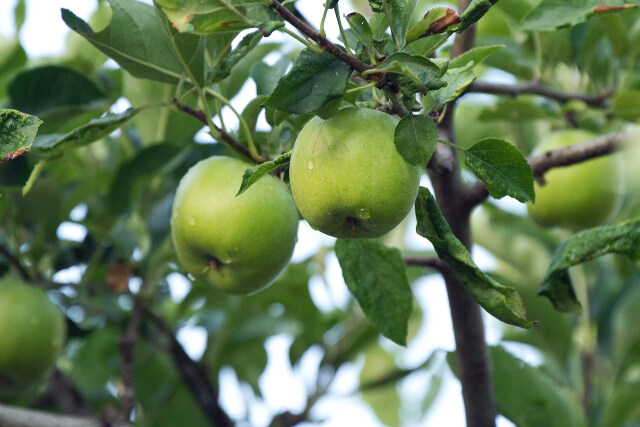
194,375
535,88
314,35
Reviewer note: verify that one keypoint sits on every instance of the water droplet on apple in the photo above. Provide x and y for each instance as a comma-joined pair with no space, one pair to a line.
363,213
192,221
310,164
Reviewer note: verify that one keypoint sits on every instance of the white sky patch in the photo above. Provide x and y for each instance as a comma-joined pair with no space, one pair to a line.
71,231
79,212
70,275
179,287
193,339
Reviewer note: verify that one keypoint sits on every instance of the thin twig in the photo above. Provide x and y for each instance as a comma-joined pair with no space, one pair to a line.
535,88
228,139
431,262
314,35
194,375
15,262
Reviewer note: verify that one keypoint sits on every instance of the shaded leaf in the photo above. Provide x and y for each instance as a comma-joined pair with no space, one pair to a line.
226,64
376,276
500,301
313,80
552,14
412,73
529,397
586,246
503,168
17,132
416,138
253,174
41,89
83,135
399,13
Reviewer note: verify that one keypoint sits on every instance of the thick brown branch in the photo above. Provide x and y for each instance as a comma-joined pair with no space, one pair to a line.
314,35
20,417
194,375
542,163
535,88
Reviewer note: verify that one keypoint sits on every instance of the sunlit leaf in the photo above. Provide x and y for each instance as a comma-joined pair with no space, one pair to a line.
17,132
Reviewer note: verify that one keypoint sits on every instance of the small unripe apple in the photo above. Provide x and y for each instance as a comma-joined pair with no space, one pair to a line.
579,196
347,177
32,333
236,244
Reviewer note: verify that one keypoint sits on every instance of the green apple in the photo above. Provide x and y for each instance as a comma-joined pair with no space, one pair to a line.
578,196
32,333
236,244
347,177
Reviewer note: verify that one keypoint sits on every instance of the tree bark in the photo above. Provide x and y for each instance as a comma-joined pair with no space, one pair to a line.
472,355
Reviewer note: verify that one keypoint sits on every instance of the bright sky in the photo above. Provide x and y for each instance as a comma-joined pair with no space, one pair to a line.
43,35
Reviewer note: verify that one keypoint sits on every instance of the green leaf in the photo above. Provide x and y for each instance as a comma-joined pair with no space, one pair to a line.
377,278
136,40
313,80
473,57
473,13
553,14
626,104
585,246
216,16
500,301
457,83
376,5
399,13
503,168
361,29
529,397
253,174
222,70
42,89
416,138
412,73
94,130
17,132
425,27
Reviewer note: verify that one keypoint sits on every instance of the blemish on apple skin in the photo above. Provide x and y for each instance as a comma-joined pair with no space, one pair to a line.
213,263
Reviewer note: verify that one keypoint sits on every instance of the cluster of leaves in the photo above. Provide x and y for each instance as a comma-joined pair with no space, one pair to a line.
183,64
